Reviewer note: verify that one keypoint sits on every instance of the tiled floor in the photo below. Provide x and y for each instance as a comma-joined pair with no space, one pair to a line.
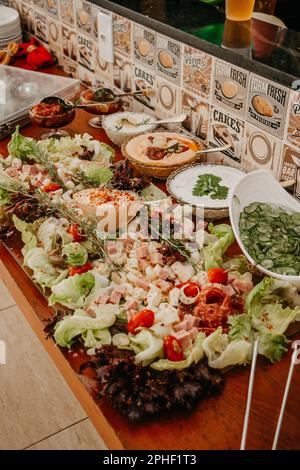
37,408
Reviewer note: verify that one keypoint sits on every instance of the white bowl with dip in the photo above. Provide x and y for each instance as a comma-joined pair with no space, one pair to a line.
120,126
260,186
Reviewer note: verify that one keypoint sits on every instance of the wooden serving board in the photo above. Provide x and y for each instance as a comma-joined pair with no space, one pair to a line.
216,423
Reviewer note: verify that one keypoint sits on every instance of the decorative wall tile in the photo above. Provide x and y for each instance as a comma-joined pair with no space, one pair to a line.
41,26
197,70
142,79
122,70
52,7
54,30
69,42
85,75
293,131
27,18
86,52
144,45
226,129
122,28
168,59
39,3
103,70
267,105
168,98
261,151
70,67
197,112
229,87
290,168
66,11
83,16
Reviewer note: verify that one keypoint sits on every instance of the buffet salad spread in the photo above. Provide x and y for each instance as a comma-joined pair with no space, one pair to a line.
159,318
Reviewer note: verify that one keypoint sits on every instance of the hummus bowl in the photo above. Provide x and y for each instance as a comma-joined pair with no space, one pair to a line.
158,154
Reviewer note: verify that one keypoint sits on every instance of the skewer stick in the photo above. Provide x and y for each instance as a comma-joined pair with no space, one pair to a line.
249,397
284,400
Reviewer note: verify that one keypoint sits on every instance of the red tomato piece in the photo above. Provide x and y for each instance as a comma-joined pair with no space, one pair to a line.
48,188
144,318
80,269
217,276
74,231
173,349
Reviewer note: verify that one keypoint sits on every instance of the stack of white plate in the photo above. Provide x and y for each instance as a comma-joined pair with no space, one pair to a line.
10,26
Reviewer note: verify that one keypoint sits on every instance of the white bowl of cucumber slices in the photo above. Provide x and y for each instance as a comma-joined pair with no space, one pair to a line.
266,224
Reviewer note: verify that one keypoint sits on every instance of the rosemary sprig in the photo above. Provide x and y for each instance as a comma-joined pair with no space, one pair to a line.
42,158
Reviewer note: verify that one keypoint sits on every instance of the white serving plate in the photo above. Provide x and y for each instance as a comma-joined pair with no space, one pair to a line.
260,186
181,182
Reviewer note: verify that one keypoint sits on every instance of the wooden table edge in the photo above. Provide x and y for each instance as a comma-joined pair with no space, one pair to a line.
93,412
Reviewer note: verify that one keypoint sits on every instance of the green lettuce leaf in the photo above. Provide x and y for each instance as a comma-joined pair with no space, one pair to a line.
153,193
97,174
44,273
269,311
104,153
94,331
146,346
72,292
214,252
221,352
20,146
52,234
193,355
240,327
272,346
27,234
76,254
5,197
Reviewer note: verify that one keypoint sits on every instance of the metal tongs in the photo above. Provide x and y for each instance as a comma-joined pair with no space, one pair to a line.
284,399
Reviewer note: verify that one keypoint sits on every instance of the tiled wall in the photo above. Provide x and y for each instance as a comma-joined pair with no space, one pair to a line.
223,102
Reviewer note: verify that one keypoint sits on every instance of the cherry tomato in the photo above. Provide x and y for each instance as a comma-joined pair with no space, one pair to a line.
190,289
173,349
73,230
143,318
80,269
48,188
217,276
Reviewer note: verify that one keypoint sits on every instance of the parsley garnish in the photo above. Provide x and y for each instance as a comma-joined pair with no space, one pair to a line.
209,185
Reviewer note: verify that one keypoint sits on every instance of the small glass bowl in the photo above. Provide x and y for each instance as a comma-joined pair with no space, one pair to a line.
53,122
100,108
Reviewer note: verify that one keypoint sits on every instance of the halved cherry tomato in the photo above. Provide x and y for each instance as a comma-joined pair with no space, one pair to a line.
190,289
48,188
73,230
217,276
173,349
143,318
80,269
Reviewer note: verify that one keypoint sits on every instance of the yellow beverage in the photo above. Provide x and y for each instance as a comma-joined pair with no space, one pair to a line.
239,10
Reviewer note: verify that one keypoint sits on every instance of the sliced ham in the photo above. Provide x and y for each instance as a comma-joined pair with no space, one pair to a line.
131,304
184,338
156,258
164,286
242,286
142,251
103,299
143,283
189,322
111,249
120,289
143,263
115,297
163,274
130,314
